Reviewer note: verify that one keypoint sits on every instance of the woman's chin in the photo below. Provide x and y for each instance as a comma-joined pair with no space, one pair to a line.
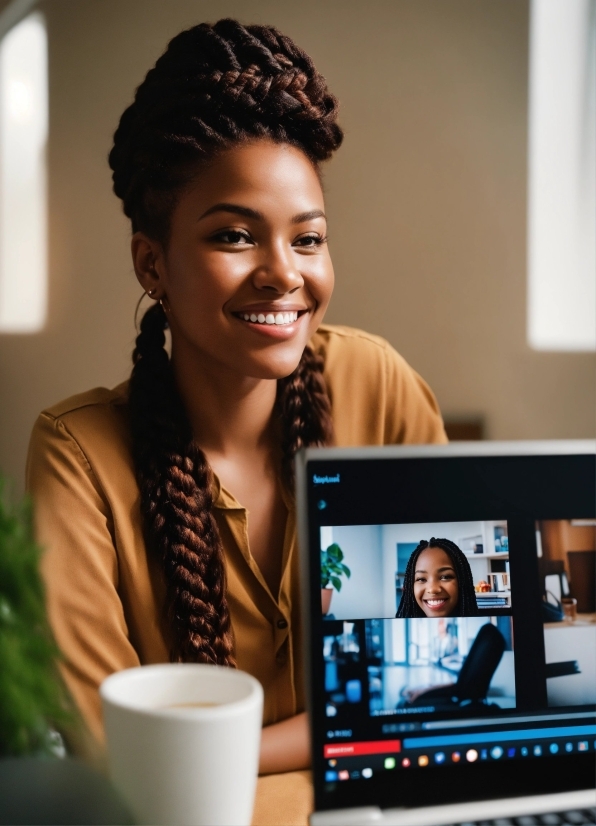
274,365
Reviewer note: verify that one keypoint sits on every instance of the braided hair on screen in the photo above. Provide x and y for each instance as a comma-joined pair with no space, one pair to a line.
215,87
466,605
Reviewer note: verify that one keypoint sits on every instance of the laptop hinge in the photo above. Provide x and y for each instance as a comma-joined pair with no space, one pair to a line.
360,816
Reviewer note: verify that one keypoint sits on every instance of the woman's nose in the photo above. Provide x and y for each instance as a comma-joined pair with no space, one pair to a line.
277,271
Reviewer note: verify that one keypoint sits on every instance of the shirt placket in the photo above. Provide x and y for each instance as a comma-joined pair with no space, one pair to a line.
277,611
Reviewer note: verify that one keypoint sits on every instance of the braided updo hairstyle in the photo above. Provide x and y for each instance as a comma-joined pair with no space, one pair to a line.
214,87
466,605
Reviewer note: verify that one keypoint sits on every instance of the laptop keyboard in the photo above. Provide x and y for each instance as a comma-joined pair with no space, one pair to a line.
575,816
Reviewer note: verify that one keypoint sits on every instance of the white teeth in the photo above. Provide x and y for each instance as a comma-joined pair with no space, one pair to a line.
435,601
271,318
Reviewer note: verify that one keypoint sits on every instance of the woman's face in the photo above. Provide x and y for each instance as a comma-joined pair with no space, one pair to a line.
246,274
435,583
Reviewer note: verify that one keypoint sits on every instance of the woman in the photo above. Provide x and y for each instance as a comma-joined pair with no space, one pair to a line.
438,582
166,504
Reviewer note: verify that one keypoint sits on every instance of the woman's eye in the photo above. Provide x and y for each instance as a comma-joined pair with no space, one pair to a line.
233,236
310,241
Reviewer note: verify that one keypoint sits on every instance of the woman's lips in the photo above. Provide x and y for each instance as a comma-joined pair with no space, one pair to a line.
279,325
436,604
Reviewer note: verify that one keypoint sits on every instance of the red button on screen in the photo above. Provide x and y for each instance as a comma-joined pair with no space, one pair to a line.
354,749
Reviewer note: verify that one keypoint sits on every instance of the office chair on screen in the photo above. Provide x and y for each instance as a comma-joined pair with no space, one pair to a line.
474,678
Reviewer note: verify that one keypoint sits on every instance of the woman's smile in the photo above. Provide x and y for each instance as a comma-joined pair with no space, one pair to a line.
278,321
270,318
436,603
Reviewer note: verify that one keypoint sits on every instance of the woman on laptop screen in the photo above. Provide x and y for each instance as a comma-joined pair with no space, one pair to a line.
438,582
166,505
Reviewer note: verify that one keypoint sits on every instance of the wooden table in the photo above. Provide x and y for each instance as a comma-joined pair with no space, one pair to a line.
283,799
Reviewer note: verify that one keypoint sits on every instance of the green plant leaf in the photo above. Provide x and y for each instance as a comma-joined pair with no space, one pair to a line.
32,698
335,552
336,582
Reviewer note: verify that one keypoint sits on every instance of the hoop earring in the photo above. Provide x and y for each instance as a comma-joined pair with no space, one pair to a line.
152,292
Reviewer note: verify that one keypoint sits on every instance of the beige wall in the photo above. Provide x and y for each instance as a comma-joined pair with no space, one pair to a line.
427,202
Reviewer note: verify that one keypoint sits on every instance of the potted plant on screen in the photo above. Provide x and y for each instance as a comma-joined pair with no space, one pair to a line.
332,571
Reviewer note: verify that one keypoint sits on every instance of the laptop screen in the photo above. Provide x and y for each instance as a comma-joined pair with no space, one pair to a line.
452,621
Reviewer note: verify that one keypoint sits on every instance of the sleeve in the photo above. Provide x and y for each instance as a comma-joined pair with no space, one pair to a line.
79,565
412,412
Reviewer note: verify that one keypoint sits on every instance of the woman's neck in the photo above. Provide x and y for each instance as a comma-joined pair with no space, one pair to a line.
228,413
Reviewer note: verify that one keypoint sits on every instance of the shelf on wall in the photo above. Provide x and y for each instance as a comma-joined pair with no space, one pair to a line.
500,555
486,594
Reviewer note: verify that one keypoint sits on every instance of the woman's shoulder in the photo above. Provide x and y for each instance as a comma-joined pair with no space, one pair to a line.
332,338
377,397
354,355
97,401
89,428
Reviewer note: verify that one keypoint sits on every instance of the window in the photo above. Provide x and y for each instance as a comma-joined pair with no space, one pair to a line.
562,176
23,138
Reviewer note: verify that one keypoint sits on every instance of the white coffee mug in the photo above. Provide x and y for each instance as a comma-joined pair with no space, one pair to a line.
183,742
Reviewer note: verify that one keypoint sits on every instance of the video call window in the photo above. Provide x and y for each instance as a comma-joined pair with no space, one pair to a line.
434,569
392,667
567,567
456,663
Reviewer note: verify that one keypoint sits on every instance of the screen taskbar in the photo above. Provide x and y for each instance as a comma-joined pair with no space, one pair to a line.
362,760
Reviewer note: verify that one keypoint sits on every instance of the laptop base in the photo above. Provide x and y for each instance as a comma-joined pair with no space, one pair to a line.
457,812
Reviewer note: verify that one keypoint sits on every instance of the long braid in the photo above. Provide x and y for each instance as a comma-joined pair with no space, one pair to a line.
305,410
214,87
466,605
176,500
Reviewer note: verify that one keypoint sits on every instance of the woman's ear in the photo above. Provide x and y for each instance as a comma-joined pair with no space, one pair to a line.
147,259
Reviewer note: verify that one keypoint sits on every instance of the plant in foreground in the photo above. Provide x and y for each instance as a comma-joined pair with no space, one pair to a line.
32,698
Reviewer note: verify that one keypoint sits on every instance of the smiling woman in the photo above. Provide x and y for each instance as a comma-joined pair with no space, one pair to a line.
166,504
438,582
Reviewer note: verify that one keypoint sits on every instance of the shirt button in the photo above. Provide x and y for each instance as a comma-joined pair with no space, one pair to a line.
282,623
281,657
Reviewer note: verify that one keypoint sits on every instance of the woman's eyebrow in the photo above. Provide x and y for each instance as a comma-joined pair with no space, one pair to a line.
444,568
308,216
246,212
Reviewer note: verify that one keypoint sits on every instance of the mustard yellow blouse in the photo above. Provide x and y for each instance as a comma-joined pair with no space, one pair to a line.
105,594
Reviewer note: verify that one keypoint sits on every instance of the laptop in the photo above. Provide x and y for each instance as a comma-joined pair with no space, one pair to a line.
450,686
